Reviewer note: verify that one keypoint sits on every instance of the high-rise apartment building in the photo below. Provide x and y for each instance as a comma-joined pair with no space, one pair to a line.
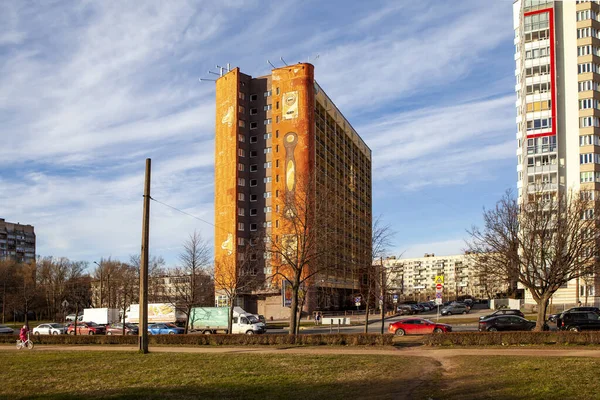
17,242
273,132
557,54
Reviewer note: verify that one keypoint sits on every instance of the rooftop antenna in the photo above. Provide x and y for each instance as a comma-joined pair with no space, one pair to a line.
221,72
283,61
274,67
315,59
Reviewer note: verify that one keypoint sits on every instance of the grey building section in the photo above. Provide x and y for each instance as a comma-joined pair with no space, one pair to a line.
17,242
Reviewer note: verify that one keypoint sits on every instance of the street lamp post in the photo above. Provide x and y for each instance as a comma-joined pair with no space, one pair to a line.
101,280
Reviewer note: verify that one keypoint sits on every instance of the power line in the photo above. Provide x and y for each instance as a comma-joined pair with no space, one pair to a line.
188,214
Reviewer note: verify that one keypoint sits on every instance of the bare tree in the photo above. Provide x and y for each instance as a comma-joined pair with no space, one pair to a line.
127,290
233,278
544,242
191,283
156,269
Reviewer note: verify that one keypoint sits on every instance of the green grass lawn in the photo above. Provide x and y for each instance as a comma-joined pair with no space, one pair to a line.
94,374
500,377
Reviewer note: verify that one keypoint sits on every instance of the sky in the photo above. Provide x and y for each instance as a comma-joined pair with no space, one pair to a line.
90,89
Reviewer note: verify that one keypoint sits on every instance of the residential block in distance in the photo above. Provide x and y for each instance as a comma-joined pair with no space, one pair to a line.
272,132
557,55
17,242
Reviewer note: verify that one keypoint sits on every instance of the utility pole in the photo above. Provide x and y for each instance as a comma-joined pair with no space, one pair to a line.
382,295
143,318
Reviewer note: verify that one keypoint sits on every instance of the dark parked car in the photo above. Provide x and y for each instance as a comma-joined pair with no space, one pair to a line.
506,323
117,329
417,326
503,312
579,321
558,317
455,309
405,309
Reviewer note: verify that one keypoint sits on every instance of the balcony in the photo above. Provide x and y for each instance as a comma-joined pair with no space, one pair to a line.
542,169
541,187
547,148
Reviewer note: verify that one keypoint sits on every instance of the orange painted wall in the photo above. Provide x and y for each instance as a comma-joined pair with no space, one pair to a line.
297,82
226,127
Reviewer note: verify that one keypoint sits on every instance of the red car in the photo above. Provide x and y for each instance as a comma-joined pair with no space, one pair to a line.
417,326
86,328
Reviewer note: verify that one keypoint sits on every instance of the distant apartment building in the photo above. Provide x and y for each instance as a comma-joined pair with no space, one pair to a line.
273,132
414,278
557,56
17,242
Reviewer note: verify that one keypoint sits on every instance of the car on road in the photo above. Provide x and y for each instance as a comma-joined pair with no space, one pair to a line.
455,309
579,321
417,326
71,318
506,323
503,312
50,329
405,309
86,328
165,329
5,330
426,306
117,329
558,316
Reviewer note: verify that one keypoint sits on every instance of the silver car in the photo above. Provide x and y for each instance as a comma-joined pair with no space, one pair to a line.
5,330
49,329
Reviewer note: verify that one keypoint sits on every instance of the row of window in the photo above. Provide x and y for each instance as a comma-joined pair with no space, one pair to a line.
535,22
537,3
537,70
585,104
541,145
586,140
537,53
542,123
586,122
589,158
586,14
539,105
537,35
587,67
588,85
587,32
588,50
537,88
540,161
587,177
254,182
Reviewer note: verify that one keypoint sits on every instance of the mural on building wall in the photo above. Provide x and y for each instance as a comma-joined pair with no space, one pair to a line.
289,142
290,105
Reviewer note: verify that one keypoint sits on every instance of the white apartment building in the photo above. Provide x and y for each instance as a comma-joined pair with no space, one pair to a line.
414,278
557,57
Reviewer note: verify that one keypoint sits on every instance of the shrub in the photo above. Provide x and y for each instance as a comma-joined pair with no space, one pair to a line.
360,339
512,338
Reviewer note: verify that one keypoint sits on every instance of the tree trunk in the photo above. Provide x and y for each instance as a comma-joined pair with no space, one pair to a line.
367,316
294,310
230,321
542,304
75,322
187,320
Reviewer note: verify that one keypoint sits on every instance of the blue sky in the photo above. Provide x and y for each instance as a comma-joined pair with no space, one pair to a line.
88,90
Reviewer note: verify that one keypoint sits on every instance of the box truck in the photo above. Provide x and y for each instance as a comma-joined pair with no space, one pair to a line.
157,313
209,320
101,316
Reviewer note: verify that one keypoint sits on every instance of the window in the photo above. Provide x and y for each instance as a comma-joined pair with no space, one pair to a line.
241,96
241,211
253,211
267,210
253,97
584,104
253,167
267,136
241,197
240,226
277,105
589,158
268,121
277,91
543,123
267,165
241,138
253,153
267,107
536,88
253,125
267,224
241,153
584,86
587,140
267,179
241,241
253,111
241,182
586,122
253,139
537,53
253,227
267,150
242,123
241,109
240,167
253,182
253,197
587,67
267,195
268,93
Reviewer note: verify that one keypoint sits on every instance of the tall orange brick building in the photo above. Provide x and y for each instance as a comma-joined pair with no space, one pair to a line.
272,132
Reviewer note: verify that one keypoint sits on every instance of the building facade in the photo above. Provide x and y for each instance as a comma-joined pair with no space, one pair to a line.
414,278
557,55
17,242
273,133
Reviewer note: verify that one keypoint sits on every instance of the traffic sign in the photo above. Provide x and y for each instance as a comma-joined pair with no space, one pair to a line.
439,279
438,300
438,295
395,298
357,304
438,286
357,299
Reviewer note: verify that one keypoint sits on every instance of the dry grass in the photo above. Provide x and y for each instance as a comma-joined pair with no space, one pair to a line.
70,375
